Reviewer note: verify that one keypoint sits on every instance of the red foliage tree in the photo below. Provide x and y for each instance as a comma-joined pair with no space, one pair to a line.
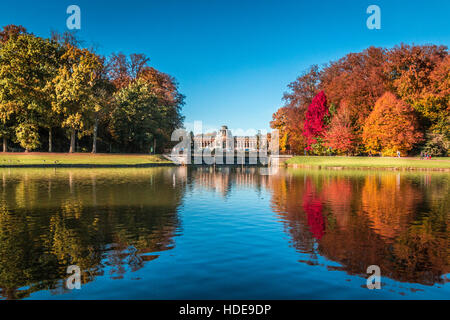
312,206
314,126
11,30
340,135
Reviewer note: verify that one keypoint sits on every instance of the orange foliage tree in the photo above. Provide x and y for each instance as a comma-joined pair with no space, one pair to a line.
355,82
409,68
434,102
420,76
391,127
287,120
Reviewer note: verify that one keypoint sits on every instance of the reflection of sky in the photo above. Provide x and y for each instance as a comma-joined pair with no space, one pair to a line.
235,246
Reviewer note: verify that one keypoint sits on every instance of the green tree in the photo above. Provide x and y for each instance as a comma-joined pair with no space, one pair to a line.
169,102
103,104
134,120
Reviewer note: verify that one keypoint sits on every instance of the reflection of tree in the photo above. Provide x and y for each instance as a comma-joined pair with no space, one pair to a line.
92,219
423,249
286,200
359,219
337,193
313,209
389,204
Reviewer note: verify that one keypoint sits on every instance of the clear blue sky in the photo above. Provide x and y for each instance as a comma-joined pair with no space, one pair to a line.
233,59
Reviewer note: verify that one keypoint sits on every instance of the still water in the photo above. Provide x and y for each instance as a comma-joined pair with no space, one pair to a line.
185,233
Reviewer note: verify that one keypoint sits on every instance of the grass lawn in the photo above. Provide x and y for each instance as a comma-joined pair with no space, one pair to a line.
38,158
370,162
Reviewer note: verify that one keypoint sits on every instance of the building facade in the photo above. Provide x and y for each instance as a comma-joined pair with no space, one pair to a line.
224,140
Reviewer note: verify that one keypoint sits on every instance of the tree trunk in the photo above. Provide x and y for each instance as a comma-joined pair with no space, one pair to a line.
94,138
154,145
72,141
5,144
50,146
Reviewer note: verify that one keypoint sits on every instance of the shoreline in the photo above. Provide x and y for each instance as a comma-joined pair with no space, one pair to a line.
89,166
64,160
326,167
367,163
155,165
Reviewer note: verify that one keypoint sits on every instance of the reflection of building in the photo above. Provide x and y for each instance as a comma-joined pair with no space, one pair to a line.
223,180
224,140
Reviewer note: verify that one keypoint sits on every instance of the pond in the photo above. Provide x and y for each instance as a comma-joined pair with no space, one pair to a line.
223,233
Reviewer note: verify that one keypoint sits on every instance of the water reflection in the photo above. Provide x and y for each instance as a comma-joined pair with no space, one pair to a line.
114,222
99,219
397,221
223,179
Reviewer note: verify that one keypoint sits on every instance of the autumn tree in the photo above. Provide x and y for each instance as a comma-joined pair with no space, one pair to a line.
74,90
55,83
28,136
303,90
417,74
157,91
437,145
11,31
27,67
409,68
168,99
287,121
101,91
355,83
279,122
340,136
290,118
434,101
314,127
7,121
392,126
123,70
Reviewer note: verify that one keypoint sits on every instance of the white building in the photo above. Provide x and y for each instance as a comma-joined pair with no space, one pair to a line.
224,140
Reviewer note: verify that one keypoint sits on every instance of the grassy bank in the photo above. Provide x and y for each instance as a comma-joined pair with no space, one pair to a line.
370,162
79,159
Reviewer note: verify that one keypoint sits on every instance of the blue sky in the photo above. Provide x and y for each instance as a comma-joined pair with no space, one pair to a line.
234,59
